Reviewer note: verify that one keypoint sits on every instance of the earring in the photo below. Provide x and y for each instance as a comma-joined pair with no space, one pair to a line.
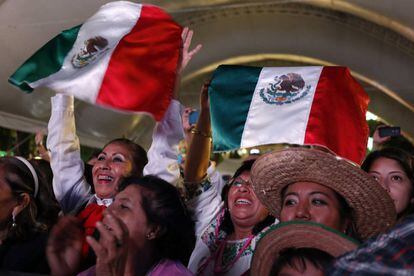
14,224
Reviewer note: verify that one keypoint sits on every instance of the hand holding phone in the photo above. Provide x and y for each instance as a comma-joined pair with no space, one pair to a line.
388,131
193,117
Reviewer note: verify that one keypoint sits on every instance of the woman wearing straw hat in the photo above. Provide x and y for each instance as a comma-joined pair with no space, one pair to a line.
228,223
309,184
299,248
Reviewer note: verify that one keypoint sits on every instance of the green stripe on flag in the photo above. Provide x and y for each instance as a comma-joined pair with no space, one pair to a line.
231,91
46,61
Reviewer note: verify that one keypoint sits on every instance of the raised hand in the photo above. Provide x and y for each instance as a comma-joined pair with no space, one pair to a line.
112,248
64,247
186,54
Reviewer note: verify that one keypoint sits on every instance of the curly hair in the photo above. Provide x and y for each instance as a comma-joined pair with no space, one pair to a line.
164,207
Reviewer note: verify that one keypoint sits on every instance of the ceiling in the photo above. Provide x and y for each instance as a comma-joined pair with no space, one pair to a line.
374,38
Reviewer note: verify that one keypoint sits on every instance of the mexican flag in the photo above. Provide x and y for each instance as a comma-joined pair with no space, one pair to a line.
124,57
297,105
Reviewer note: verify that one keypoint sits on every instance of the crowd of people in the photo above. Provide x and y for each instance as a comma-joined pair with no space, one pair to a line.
297,209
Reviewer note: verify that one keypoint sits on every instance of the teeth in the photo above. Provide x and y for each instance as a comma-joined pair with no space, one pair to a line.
243,201
105,177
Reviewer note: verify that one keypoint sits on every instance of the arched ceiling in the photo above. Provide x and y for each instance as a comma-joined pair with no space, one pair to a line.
374,38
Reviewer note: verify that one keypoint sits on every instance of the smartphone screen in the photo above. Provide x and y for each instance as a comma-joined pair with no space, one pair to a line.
193,117
389,131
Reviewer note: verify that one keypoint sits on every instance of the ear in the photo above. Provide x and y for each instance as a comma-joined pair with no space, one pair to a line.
22,201
154,232
347,224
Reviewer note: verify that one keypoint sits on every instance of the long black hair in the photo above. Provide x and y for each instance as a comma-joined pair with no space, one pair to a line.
164,207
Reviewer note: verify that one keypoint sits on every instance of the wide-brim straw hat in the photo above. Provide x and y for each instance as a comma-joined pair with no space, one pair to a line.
297,234
373,211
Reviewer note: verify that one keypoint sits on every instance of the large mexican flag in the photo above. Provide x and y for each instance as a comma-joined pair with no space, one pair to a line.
312,105
123,57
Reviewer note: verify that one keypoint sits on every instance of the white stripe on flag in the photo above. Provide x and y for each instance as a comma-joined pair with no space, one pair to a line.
84,83
263,124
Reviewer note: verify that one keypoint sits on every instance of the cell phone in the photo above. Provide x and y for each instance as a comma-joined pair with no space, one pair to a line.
193,117
389,131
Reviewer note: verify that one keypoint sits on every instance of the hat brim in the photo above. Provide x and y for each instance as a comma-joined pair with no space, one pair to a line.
373,211
297,234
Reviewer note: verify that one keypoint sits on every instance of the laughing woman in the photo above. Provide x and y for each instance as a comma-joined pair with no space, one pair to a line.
119,158
229,219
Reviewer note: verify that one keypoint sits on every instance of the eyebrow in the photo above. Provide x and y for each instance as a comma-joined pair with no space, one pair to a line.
312,193
124,199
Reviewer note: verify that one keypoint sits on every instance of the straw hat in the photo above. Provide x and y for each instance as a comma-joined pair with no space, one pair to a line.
373,209
297,234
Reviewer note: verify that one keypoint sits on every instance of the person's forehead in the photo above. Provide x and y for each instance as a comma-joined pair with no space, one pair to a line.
309,186
116,148
131,193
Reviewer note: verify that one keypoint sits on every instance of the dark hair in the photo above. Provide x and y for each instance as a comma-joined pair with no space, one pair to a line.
296,258
227,224
49,208
403,158
163,206
32,218
138,153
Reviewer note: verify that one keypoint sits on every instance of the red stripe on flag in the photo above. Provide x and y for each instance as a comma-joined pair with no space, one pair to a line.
337,116
142,70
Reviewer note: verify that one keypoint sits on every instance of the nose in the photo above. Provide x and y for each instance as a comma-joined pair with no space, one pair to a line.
242,188
102,164
385,185
302,211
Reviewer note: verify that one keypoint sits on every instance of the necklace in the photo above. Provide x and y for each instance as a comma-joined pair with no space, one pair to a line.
218,268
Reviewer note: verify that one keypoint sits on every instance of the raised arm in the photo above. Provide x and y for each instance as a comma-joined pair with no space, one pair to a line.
202,181
198,156
69,185
162,155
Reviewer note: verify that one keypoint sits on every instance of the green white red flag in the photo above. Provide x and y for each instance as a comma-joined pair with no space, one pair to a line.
124,57
297,105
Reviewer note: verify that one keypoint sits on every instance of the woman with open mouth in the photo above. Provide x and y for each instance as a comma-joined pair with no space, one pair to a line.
229,218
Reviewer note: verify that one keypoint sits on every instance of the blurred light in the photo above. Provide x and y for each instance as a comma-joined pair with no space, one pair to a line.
254,151
3,153
242,152
370,143
371,116
37,157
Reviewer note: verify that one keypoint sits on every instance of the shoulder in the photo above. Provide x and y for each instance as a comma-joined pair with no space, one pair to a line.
170,267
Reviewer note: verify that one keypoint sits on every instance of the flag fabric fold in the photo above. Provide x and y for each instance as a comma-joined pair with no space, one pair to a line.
124,57
311,105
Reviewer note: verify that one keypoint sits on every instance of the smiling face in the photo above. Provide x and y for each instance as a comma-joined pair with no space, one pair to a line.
244,206
312,202
113,163
391,176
